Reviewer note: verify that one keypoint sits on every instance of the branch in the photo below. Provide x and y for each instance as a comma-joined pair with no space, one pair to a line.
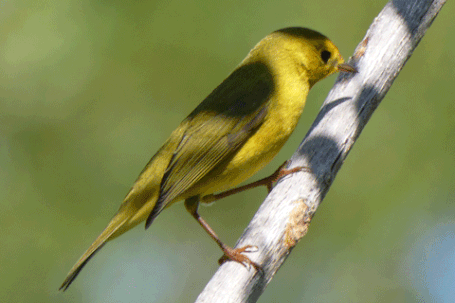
284,217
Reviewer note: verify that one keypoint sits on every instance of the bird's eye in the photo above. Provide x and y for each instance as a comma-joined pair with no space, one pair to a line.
325,56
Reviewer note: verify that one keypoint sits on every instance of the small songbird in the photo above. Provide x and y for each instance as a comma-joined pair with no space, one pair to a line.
231,135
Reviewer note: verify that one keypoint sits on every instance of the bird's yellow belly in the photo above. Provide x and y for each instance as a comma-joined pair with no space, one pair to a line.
256,153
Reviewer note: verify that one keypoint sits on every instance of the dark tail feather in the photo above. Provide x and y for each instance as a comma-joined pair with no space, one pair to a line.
115,225
74,272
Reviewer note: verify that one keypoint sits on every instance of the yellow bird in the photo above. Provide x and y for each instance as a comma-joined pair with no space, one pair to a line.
230,136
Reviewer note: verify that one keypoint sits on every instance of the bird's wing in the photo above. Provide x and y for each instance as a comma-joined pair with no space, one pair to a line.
216,129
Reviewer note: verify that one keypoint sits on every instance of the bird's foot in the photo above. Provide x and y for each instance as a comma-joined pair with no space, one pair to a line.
236,254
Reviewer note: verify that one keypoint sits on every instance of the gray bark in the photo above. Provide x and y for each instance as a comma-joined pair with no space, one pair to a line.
284,217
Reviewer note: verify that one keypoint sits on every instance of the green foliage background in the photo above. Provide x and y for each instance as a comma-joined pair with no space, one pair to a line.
90,89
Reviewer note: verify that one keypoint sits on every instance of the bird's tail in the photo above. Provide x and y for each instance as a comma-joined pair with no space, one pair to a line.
136,207
109,233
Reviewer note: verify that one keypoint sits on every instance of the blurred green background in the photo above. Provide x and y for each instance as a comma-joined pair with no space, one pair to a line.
91,89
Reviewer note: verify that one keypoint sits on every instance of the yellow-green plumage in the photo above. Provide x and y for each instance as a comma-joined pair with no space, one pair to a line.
232,134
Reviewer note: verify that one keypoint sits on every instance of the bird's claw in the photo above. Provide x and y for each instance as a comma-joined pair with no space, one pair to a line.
236,254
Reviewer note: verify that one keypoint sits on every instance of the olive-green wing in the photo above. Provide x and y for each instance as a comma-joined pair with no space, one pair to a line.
216,129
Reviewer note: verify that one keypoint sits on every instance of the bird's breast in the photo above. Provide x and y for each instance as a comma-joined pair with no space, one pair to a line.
282,117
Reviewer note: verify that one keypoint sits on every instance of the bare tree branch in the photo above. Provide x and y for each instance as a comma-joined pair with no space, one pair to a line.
283,218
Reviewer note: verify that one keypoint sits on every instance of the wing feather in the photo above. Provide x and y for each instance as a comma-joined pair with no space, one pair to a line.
216,129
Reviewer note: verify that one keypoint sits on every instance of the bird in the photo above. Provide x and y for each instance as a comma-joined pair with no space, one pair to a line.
232,134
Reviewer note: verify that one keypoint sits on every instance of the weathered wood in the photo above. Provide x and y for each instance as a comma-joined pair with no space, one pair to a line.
283,218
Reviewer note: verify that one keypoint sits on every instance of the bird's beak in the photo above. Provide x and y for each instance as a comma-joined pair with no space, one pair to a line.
344,67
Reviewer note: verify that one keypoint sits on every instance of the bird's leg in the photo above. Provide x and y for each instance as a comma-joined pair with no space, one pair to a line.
268,182
235,254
